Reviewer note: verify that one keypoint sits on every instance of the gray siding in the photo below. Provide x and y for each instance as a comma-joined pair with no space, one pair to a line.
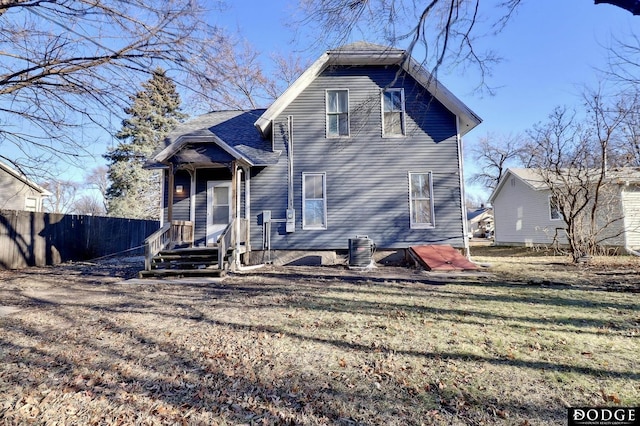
367,175
14,192
522,215
181,203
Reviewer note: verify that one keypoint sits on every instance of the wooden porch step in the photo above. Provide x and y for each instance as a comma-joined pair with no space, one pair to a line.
159,273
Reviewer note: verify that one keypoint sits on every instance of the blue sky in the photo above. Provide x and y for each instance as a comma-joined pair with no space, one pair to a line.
551,49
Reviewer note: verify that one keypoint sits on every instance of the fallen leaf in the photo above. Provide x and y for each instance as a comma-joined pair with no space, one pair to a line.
342,363
610,397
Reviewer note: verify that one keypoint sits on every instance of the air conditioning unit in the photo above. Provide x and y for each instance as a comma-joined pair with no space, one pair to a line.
361,250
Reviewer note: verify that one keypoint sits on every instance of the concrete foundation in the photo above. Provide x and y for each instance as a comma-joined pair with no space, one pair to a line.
321,257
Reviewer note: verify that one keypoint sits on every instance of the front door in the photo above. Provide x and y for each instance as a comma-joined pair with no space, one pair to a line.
218,209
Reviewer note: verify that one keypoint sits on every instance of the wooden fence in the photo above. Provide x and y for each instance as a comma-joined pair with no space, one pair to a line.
37,239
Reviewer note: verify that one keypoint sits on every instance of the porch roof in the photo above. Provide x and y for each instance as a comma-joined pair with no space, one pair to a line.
232,132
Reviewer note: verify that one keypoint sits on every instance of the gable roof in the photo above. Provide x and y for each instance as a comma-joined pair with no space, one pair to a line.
531,177
362,53
22,178
231,131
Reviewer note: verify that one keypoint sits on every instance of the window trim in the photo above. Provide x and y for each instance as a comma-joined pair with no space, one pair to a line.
326,114
324,201
403,126
36,207
415,225
550,198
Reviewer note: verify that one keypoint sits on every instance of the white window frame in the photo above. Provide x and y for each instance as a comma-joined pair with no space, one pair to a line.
420,225
551,197
402,113
328,113
324,200
36,203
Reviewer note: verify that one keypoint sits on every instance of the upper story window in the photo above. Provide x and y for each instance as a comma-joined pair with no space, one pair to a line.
337,113
393,112
421,200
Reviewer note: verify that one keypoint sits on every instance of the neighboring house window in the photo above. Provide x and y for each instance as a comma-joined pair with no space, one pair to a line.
554,208
337,113
31,204
314,201
421,200
393,112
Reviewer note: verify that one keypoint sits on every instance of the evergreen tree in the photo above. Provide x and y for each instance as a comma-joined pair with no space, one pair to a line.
134,191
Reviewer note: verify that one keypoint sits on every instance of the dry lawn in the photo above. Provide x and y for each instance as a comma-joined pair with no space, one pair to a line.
514,344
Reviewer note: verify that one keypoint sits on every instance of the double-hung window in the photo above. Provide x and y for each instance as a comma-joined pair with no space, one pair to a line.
314,201
337,113
421,200
393,112
554,208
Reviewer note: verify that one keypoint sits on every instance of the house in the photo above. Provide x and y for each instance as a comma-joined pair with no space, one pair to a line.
364,143
480,222
525,212
19,193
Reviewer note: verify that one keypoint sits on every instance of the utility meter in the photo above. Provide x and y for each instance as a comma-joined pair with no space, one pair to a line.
291,220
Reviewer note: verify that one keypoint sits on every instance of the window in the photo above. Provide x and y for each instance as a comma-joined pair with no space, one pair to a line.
31,204
554,208
393,112
314,201
337,113
421,200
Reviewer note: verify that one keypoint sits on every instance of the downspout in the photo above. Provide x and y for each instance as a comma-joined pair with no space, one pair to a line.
463,209
290,164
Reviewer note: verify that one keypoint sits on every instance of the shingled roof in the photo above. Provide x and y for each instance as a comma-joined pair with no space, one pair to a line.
232,131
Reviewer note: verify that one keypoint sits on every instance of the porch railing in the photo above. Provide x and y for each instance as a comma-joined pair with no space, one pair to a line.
178,232
182,233
226,242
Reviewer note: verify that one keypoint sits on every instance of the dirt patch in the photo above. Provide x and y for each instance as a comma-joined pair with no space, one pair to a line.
515,343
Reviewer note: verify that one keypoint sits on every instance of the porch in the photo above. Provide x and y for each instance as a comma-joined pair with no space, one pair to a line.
170,251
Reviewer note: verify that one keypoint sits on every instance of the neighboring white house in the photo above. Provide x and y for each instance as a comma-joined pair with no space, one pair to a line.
526,214
480,222
19,193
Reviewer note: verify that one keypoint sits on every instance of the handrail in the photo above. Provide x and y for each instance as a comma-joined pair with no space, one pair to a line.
155,243
176,232
227,239
224,242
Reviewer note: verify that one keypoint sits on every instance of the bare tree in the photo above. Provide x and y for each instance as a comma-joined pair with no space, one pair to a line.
88,205
494,154
98,181
571,157
241,81
64,194
69,64
446,31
